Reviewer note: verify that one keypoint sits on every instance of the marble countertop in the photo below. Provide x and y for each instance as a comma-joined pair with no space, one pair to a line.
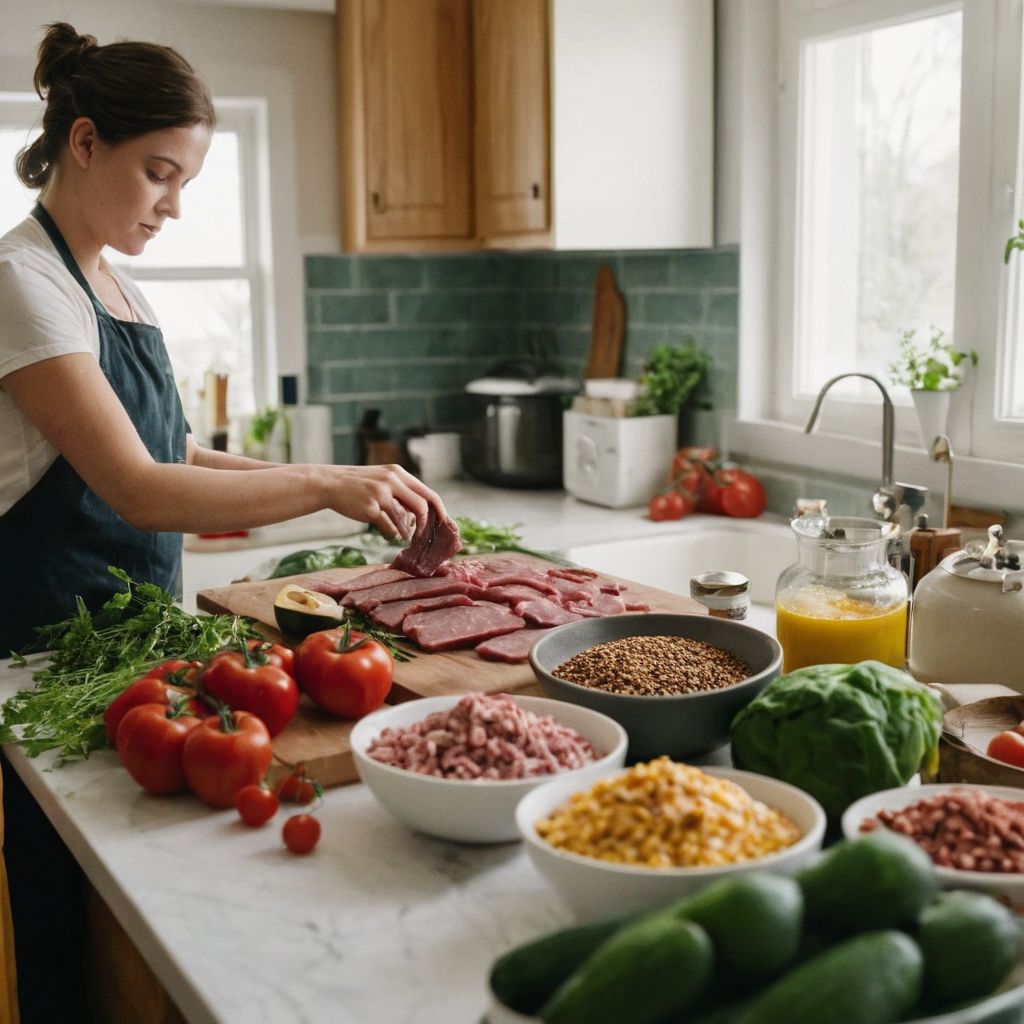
378,924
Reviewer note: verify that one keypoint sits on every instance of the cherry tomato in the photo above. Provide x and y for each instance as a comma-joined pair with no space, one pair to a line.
277,654
301,833
223,754
151,739
174,670
256,805
711,496
249,680
148,690
743,495
344,672
661,507
1007,747
296,789
691,469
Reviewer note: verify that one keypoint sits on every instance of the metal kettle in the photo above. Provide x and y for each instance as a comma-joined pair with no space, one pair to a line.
967,616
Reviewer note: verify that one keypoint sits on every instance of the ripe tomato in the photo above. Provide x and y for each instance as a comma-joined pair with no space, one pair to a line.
148,690
277,654
661,507
1007,747
249,680
301,833
743,495
151,739
175,670
691,470
223,754
256,805
344,672
297,789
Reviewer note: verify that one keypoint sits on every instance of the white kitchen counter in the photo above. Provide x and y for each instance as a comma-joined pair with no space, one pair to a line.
377,925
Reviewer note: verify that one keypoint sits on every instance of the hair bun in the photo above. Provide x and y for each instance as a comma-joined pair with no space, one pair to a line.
59,52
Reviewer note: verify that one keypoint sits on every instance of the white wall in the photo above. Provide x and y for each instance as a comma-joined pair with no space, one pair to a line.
289,57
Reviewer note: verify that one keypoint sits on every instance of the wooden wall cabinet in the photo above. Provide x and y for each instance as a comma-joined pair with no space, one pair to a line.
567,124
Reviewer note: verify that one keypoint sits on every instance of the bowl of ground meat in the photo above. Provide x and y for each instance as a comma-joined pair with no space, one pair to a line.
674,682
973,834
456,767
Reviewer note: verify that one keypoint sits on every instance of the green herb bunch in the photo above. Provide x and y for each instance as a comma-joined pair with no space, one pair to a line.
935,366
93,657
670,377
1016,242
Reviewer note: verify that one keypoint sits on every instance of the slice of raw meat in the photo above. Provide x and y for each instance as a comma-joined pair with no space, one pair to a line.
569,591
510,647
431,545
403,590
445,628
637,606
539,611
375,578
573,573
471,570
511,594
601,605
392,614
521,577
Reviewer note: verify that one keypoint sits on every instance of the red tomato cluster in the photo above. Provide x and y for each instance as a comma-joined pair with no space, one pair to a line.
698,482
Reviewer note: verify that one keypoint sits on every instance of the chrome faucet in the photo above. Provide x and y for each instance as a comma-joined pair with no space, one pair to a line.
889,496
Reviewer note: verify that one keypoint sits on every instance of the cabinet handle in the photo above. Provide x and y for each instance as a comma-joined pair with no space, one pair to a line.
535,189
375,197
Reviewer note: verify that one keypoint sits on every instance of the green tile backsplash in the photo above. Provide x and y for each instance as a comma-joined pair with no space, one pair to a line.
404,334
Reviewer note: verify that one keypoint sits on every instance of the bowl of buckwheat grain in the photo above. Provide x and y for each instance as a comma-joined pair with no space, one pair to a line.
673,682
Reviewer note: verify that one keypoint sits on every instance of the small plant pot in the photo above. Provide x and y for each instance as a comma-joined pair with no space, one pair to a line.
932,413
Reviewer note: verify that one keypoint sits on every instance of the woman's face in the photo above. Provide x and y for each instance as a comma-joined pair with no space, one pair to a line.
135,185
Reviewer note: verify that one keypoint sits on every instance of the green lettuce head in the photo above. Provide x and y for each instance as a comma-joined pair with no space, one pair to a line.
840,732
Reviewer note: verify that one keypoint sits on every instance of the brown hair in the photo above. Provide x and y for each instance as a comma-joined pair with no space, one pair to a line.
126,89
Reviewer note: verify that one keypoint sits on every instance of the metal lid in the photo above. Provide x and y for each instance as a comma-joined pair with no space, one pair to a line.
718,582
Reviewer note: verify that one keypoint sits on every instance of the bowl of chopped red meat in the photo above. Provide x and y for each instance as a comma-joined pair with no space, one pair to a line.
674,682
456,767
973,834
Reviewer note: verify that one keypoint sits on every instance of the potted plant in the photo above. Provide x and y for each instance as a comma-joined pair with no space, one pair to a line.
932,371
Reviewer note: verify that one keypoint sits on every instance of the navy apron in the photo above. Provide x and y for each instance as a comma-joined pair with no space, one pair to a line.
57,541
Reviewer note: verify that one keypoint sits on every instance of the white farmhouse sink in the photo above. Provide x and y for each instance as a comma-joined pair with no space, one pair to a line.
759,550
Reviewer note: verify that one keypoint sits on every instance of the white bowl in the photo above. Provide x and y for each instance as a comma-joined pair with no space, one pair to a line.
480,810
595,888
1007,885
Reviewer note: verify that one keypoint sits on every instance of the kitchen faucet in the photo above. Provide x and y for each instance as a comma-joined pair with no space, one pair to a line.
889,497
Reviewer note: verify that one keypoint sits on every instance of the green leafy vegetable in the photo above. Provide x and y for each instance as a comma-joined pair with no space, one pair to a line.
480,537
336,556
95,656
670,377
840,731
931,367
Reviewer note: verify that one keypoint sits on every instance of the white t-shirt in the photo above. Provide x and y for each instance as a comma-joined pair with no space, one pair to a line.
43,313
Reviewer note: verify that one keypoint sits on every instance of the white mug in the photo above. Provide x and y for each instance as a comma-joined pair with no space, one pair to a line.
437,456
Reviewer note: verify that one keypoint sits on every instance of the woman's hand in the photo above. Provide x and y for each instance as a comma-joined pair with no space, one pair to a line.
387,497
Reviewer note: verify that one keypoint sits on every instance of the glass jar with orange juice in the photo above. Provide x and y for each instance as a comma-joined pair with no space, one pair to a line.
841,601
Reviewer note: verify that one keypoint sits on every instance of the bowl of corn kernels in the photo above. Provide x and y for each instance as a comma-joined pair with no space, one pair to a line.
639,838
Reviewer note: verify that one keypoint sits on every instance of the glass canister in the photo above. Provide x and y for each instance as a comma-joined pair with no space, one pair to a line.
841,601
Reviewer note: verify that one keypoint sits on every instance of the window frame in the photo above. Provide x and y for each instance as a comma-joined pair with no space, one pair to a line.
851,428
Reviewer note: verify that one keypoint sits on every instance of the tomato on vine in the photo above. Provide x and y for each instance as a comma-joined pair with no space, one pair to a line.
256,804
301,833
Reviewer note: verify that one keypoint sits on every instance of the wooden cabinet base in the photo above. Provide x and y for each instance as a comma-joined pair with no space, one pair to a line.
122,988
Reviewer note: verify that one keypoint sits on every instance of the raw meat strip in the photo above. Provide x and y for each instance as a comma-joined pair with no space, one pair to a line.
603,604
435,543
510,647
573,574
392,614
637,606
522,577
336,589
569,591
511,594
403,590
541,612
445,628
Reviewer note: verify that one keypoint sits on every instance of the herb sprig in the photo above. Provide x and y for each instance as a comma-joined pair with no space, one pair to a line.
93,657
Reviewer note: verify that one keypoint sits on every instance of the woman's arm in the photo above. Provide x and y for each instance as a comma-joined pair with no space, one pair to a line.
72,404
209,458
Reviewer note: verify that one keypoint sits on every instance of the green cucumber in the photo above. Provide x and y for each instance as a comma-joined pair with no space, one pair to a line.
873,978
650,971
525,977
878,880
754,922
969,942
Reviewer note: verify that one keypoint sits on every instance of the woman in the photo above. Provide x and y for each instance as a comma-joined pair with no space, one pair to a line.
97,466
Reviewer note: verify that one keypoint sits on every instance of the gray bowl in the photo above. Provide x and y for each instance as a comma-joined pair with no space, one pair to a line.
679,726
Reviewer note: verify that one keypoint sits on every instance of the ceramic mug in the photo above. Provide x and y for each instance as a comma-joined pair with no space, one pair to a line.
437,456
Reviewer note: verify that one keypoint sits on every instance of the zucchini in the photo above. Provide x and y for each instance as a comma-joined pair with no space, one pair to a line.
525,977
969,942
878,880
645,973
873,978
754,922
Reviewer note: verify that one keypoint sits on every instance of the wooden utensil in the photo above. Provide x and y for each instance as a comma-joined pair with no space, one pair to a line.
608,328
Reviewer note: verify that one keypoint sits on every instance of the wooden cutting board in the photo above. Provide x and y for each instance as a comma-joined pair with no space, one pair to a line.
608,327
320,741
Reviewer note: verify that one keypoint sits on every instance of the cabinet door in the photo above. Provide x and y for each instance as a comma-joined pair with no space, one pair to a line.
510,57
408,120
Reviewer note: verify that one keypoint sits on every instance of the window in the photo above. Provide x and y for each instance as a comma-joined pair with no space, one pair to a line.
207,275
898,161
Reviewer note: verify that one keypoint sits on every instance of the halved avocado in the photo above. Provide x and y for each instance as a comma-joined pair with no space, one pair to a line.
300,612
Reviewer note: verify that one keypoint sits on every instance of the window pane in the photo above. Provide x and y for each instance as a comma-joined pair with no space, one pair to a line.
15,199
209,231
877,195
207,325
